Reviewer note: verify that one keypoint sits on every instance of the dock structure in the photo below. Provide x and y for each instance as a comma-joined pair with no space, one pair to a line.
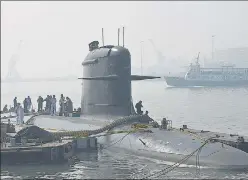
50,147
16,150
13,115
51,152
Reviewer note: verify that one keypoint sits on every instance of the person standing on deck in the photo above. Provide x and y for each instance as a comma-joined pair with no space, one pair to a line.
47,108
40,104
69,106
50,102
5,109
138,107
17,113
29,103
62,105
25,105
53,105
15,102
20,114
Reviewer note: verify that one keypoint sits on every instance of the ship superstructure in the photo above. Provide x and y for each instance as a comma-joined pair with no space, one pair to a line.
226,75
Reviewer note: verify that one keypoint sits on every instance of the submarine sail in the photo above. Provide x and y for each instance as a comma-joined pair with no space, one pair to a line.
106,87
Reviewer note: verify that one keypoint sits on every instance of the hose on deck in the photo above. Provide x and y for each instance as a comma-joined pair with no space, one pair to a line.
34,132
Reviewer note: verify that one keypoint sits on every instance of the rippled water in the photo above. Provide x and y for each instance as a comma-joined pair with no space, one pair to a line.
218,109
114,164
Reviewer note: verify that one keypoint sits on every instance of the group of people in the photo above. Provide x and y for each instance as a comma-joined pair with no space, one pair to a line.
19,110
27,104
50,104
66,105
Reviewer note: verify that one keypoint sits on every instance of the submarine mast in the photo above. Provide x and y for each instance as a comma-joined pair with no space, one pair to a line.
123,35
102,38
118,36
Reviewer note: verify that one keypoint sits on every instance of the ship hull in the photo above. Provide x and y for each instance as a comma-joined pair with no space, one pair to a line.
173,146
181,82
170,146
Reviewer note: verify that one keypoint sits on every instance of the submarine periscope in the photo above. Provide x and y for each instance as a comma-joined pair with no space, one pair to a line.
107,104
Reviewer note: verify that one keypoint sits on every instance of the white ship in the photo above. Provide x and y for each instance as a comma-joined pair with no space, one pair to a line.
197,76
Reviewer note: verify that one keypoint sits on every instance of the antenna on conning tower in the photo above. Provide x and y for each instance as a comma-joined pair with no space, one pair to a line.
123,36
118,36
102,38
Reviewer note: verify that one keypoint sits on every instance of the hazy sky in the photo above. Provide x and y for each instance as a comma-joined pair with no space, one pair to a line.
56,34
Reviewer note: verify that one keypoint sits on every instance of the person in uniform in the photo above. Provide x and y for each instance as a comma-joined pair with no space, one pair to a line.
40,104
20,114
15,102
5,109
62,105
138,107
53,105
50,102
29,104
25,105
164,123
69,106
47,108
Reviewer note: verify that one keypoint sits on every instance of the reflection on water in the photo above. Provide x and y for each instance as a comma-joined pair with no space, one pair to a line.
113,164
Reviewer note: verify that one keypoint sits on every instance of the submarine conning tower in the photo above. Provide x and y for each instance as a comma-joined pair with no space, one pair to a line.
106,87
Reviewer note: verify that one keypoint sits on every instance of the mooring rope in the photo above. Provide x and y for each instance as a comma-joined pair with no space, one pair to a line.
175,165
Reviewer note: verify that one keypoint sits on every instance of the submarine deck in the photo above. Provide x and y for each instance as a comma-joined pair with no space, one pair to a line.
58,123
229,139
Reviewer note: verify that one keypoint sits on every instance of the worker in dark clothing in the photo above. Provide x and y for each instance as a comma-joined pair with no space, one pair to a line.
164,123
5,109
146,113
29,102
40,104
79,110
69,106
62,105
138,107
10,127
47,108
15,102
25,105
50,102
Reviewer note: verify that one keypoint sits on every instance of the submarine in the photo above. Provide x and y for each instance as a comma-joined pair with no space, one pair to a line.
107,106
